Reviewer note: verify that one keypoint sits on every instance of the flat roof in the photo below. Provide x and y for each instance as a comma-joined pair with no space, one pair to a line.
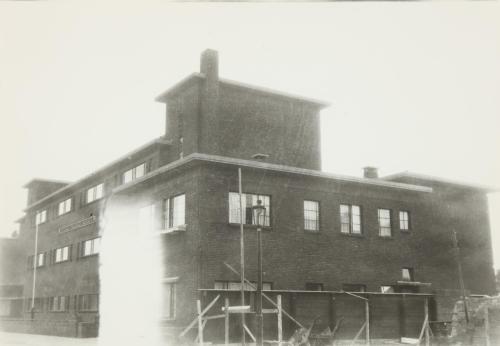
407,174
200,76
271,167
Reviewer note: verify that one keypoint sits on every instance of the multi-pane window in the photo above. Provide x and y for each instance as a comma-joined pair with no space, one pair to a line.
41,217
168,301
88,302
236,286
350,219
134,173
354,287
407,274
64,206
248,200
91,247
95,193
59,303
311,215
61,254
404,220
384,222
38,260
174,211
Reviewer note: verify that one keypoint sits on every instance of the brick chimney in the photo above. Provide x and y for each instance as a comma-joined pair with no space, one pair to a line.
370,172
209,67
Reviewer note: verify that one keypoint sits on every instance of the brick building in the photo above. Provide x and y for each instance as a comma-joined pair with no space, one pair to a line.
323,232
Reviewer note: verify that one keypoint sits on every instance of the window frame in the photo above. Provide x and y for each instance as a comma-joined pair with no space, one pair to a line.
408,220
390,287
39,220
55,251
64,303
169,212
318,213
133,172
92,247
380,227
64,203
244,195
351,219
81,300
411,274
172,301
95,195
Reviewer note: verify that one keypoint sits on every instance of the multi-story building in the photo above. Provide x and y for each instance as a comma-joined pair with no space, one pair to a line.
322,231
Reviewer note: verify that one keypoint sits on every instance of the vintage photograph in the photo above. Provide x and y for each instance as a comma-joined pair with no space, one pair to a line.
299,174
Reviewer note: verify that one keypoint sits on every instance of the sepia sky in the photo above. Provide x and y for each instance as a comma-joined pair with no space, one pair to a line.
414,86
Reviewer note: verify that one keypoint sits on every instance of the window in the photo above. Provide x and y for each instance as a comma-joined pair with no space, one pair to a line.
354,287
64,207
41,217
61,254
311,215
236,286
350,219
90,247
168,301
38,260
59,303
404,220
174,211
134,173
384,222
248,200
88,302
407,274
312,286
387,289
95,193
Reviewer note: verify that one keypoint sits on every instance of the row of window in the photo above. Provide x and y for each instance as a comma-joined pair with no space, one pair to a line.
350,215
62,254
92,194
82,302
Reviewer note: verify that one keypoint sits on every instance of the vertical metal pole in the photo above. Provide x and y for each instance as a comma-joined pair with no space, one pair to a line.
280,321
460,274
242,258
367,319
35,262
226,321
260,327
427,340
487,326
200,323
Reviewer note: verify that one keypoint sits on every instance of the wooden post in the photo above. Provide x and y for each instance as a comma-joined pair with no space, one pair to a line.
280,321
487,326
367,318
427,339
200,322
226,321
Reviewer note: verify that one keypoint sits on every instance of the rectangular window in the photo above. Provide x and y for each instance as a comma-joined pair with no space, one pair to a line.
59,303
387,289
354,287
64,207
38,260
311,215
134,173
384,222
61,254
404,220
350,219
91,247
248,201
407,274
313,286
88,302
95,193
174,211
236,286
168,301
41,217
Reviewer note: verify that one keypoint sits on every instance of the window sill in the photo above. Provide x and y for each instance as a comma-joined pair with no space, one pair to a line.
352,235
68,260
171,230
264,228
87,256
